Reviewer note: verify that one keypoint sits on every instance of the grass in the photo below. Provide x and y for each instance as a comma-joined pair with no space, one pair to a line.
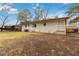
37,44
13,35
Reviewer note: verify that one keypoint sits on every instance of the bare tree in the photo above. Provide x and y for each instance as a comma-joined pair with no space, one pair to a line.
47,12
4,20
38,12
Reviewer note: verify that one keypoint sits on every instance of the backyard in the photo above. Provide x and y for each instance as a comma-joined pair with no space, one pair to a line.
37,44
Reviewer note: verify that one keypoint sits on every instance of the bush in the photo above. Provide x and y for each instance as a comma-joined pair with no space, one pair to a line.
26,30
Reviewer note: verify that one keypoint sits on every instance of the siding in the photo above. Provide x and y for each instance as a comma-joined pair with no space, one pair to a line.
51,27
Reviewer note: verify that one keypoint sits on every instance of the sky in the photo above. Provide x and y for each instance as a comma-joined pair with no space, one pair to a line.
56,9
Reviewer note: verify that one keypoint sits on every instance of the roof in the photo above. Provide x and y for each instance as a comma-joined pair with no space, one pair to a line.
24,23
50,20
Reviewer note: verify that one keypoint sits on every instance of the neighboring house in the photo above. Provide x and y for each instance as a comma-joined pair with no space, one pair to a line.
57,25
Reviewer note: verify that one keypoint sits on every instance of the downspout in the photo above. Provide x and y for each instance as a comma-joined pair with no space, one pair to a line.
65,26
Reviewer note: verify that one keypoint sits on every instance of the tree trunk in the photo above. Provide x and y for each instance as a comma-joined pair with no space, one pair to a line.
2,28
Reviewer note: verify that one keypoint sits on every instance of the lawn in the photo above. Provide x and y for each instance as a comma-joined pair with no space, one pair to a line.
37,44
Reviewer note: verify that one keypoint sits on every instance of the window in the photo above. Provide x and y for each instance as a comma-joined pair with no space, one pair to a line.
44,24
34,25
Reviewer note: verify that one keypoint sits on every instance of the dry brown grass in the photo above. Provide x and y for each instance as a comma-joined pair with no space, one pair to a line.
37,44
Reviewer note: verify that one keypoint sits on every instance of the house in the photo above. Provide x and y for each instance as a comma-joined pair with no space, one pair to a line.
56,25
